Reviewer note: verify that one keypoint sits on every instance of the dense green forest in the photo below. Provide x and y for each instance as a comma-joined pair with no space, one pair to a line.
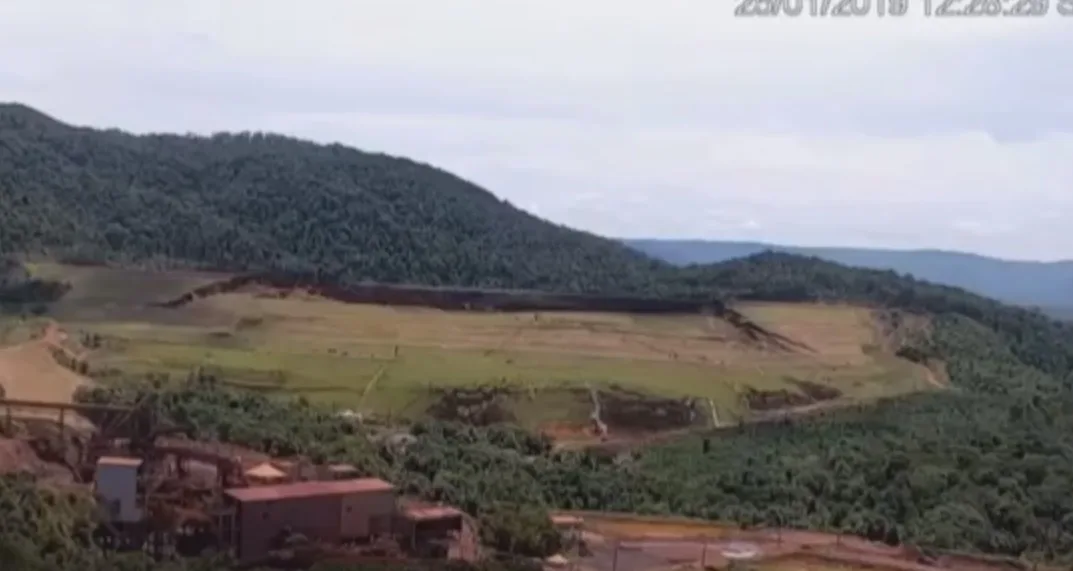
262,201
985,467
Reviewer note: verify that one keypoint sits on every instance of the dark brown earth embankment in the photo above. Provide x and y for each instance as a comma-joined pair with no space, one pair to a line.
808,393
466,299
454,298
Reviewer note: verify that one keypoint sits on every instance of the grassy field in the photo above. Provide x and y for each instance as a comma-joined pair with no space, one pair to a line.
385,359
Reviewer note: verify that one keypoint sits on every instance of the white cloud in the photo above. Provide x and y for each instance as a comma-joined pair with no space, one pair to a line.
625,117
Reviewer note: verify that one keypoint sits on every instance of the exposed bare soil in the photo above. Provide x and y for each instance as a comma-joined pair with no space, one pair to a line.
643,544
17,455
33,371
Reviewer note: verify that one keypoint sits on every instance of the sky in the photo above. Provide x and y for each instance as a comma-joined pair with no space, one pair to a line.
627,118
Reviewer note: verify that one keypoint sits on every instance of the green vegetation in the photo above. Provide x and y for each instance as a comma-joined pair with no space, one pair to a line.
524,529
985,467
1028,283
387,360
1065,313
20,291
261,201
41,529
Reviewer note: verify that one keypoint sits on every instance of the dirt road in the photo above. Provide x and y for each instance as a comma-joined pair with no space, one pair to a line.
29,371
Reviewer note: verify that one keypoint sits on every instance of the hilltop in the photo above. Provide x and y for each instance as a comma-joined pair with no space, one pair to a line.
248,201
1048,285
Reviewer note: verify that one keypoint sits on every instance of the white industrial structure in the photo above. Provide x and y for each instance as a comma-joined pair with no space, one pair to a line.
116,487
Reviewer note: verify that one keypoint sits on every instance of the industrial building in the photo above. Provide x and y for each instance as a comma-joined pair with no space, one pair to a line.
115,485
326,511
177,497
162,491
266,509
428,530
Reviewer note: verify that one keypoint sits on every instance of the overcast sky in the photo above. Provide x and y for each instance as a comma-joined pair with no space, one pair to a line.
653,118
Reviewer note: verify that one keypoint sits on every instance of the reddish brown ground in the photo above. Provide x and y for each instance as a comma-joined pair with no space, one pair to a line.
18,456
571,435
644,544
30,371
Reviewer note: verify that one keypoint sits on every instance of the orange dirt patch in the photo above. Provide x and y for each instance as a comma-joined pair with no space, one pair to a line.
936,375
570,433
30,371
643,544
17,456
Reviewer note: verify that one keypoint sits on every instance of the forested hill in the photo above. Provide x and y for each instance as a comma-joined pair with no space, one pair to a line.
987,466
260,201
1043,284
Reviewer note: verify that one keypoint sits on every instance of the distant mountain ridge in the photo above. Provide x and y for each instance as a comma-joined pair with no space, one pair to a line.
1048,285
